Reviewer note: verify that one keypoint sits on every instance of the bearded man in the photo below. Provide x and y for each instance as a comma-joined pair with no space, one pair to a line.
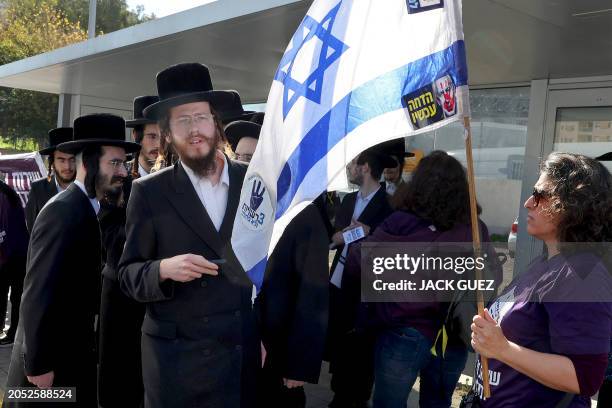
55,337
62,172
120,367
146,133
199,347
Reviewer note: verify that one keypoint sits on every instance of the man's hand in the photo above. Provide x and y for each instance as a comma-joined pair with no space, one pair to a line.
43,380
263,354
338,239
292,383
185,268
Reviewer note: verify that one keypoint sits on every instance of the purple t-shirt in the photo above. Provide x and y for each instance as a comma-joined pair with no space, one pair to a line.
531,315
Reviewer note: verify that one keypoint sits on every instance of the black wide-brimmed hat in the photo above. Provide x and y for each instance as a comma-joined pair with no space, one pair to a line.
181,84
101,129
395,148
56,137
239,129
258,117
605,157
381,156
141,102
229,106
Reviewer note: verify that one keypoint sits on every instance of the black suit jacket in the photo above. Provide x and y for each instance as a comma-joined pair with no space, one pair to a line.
60,297
344,302
294,299
374,213
203,330
41,191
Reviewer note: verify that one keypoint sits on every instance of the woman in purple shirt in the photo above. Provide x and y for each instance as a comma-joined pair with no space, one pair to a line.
433,207
548,334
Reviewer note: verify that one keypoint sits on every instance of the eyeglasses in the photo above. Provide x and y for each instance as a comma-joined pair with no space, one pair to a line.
184,123
538,195
116,163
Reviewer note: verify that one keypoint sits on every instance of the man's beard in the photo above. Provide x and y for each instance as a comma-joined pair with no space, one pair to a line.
202,166
112,195
61,179
151,156
357,179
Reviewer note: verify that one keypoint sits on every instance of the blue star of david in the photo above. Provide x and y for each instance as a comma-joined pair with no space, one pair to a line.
311,88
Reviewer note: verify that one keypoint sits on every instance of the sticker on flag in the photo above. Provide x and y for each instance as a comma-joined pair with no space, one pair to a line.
417,6
432,103
355,74
254,215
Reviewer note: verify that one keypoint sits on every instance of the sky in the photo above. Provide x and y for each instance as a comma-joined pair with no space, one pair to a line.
163,8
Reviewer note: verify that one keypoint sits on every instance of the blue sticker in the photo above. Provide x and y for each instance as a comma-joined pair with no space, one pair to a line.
432,103
417,6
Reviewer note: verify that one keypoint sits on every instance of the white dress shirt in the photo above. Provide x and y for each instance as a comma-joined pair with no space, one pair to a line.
141,171
213,197
360,204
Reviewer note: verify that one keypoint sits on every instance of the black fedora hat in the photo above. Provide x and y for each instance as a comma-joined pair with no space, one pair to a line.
101,129
181,84
605,157
395,148
56,137
378,154
229,106
239,129
258,117
141,102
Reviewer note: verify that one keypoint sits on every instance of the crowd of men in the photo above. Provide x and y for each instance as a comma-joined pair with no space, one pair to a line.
131,290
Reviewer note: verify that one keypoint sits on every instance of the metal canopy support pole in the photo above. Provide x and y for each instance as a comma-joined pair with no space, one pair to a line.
91,26
64,108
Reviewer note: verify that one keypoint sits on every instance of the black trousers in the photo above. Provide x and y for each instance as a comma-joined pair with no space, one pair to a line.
273,393
605,395
120,365
11,276
350,353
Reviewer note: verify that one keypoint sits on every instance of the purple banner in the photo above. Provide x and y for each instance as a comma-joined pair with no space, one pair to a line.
20,170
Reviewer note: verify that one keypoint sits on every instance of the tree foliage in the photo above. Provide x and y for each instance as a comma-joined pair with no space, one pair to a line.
31,27
111,15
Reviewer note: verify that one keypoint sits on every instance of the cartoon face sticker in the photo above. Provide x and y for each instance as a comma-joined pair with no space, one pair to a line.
445,93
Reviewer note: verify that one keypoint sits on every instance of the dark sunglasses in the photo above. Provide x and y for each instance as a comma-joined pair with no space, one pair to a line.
538,195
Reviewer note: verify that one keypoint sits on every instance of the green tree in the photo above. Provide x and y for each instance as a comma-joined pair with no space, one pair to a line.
111,15
27,28
31,27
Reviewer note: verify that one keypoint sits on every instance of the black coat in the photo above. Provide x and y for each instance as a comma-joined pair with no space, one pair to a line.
293,303
344,302
373,214
199,343
41,191
120,367
60,298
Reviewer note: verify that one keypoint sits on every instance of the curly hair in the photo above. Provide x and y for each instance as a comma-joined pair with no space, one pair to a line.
438,192
579,190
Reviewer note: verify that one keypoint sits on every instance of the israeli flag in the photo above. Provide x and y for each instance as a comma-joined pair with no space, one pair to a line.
356,73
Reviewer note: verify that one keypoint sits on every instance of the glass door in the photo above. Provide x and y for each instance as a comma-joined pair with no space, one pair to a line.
575,121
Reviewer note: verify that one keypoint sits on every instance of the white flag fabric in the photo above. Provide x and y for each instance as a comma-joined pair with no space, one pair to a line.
356,73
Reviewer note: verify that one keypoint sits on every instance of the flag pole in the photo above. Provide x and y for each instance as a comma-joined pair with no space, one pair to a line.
476,241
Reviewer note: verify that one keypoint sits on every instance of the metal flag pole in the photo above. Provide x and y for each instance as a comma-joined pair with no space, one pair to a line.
476,241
